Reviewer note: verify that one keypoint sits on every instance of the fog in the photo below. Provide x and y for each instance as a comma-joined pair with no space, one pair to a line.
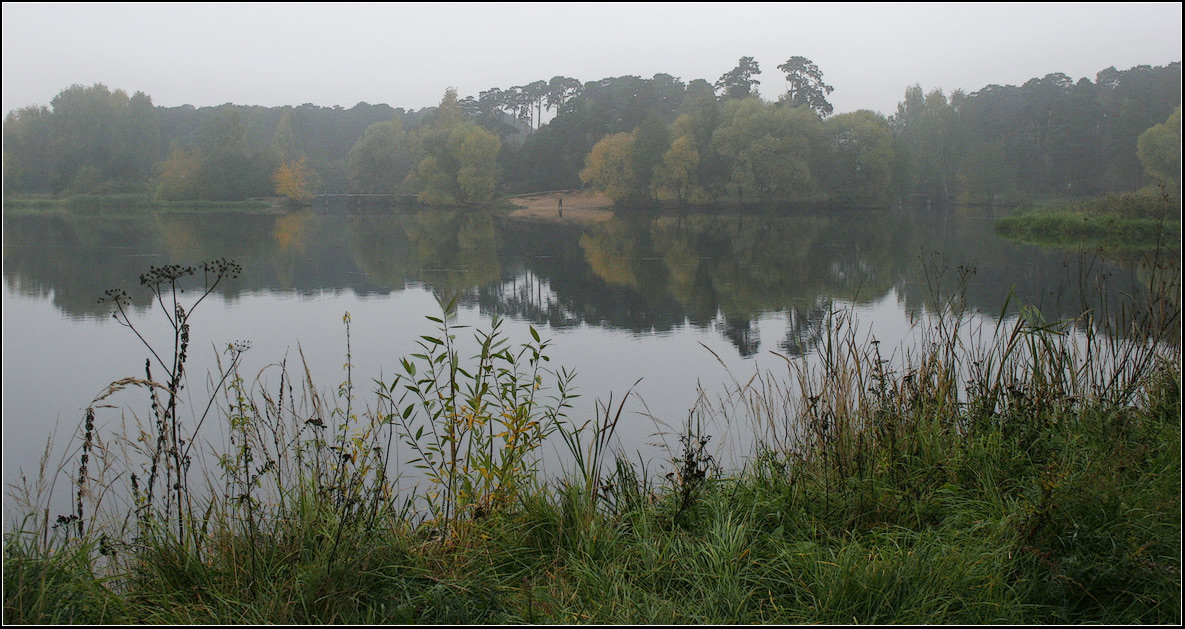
406,55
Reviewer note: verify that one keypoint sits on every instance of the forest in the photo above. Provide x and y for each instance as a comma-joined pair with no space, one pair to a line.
639,140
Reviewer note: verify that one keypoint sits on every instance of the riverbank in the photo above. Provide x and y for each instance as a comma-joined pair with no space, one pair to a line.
134,203
584,207
1119,223
1046,490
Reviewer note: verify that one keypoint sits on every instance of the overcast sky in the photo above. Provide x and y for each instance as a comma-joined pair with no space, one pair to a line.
406,55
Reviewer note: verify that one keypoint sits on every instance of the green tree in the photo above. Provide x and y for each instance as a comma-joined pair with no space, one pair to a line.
534,96
284,139
986,173
448,113
651,141
228,170
807,88
739,82
1159,150
677,175
102,141
769,151
476,153
560,90
861,159
382,159
28,159
460,163
926,127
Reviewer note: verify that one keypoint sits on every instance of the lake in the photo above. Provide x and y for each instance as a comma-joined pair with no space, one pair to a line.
675,301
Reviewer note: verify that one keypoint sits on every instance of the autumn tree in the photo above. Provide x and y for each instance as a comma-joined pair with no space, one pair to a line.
609,167
178,179
294,180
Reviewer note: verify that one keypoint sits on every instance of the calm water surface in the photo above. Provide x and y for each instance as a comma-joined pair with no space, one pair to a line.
641,298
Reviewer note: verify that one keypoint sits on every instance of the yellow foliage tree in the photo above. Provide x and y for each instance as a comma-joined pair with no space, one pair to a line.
179,176
295,181
677,172
609,167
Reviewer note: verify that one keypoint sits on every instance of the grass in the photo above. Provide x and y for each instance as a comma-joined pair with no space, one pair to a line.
126,202
1140,221
1023,473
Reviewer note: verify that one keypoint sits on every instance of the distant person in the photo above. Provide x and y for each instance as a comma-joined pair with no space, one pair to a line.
560,208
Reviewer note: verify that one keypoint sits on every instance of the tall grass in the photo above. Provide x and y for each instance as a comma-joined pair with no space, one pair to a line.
1014,471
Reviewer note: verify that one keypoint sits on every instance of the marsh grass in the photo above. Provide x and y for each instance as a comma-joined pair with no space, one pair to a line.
1137,221
119,203
1005,471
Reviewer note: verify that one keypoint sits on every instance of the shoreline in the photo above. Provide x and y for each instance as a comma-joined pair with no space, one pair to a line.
583,207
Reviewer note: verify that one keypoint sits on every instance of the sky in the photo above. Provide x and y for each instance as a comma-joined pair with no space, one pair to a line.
407,54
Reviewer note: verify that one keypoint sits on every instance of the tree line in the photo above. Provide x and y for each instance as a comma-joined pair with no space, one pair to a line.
638,139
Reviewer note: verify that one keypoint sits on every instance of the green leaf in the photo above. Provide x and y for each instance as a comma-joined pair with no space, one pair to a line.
534,334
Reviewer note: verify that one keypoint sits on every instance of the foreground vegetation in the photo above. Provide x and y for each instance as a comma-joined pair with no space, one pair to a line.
1022,473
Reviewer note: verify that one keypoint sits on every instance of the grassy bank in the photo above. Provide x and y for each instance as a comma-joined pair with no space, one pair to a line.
1121,222
122,202
1030,477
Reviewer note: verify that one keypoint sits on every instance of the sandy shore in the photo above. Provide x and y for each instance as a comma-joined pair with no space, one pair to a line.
579,206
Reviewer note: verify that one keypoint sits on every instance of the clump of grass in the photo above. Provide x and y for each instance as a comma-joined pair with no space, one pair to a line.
55,585
1121,222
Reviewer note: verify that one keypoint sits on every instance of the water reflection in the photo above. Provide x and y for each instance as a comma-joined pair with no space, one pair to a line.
640,274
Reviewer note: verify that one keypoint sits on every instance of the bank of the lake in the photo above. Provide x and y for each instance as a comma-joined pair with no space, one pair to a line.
1128,222
1046,491
131,202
